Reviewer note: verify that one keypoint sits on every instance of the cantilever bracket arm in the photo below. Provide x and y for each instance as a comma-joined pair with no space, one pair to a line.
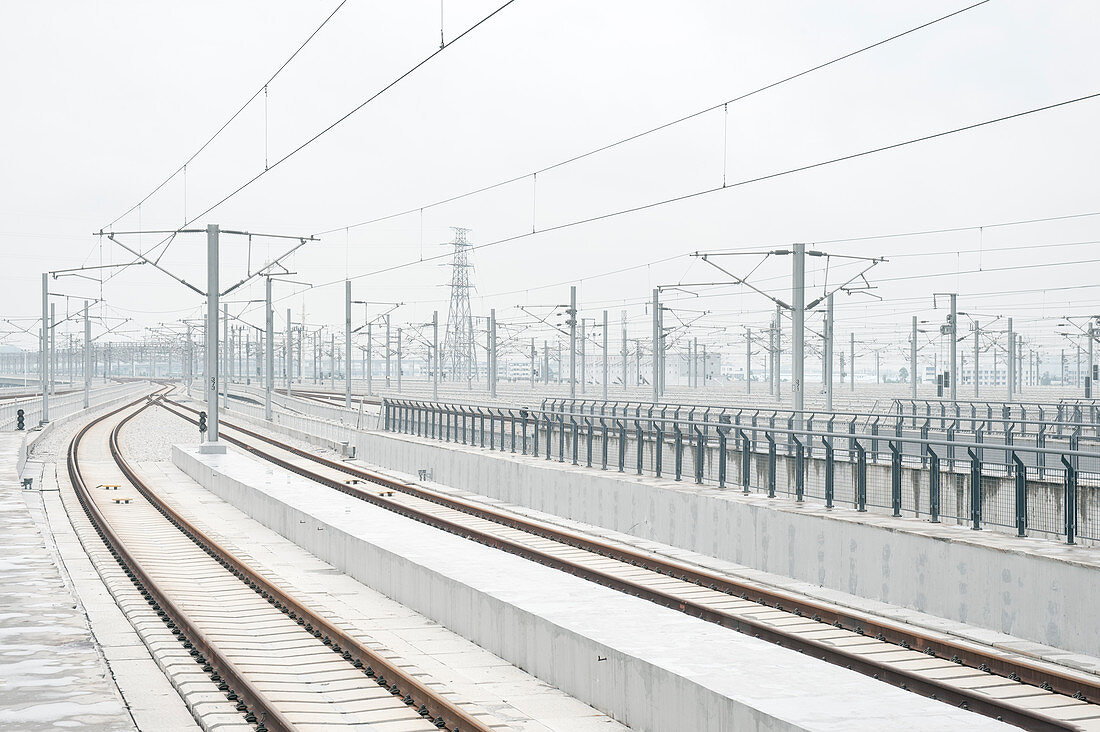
544,321
277,262
111,329
845,284
146,260
741,281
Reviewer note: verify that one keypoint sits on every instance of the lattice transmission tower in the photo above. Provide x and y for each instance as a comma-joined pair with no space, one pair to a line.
458,343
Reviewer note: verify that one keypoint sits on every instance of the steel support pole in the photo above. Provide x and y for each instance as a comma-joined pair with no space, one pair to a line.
288,357
332,361
573,341
656,345
954,370
187,354
626,351
230,343
773,364
913,358
606,356
435,355
828,379
269,351
493,352
488,355
226,356
583,355
662,372
693,363
977,371
398,354
532,364
1020,363
212,295
779,338
43,360
1011,374
748,360
88,356
638,361
852,362
370,361
387,351
798,333
1088,366
347,343
53,350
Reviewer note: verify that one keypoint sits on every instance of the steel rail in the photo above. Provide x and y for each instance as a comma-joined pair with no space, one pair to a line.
330,397
431,705
415,692
237,687
852,621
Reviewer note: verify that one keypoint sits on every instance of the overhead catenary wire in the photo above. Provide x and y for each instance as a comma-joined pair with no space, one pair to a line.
261,90
715,189
672,123
340,120
316,136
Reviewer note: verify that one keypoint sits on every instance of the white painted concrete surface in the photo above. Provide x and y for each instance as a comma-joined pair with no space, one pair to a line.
651,667
1030,588
51,675
424,648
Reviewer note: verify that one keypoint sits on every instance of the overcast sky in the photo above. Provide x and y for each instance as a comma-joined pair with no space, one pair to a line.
105,100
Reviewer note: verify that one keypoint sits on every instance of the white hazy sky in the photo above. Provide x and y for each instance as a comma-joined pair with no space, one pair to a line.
104,100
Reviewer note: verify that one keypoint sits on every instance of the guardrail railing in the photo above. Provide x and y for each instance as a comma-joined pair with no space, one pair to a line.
61,405
1043,485
1006,419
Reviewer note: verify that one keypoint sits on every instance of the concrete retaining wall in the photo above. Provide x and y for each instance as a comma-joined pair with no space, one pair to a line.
1029,588
648,666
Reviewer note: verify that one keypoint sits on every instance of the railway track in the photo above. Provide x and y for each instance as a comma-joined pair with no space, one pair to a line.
4,398
332,398
284,665
1029,694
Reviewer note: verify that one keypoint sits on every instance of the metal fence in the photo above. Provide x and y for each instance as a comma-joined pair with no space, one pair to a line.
962,419
1041,487
61,405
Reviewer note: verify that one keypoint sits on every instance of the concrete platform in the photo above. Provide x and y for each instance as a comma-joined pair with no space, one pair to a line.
430,651
51,672
1029,588
650,667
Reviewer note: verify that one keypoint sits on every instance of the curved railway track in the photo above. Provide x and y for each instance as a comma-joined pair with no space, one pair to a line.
1028,694
331,398
286,666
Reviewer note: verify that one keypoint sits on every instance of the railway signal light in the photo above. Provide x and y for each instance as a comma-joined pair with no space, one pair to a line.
19,421
202,422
